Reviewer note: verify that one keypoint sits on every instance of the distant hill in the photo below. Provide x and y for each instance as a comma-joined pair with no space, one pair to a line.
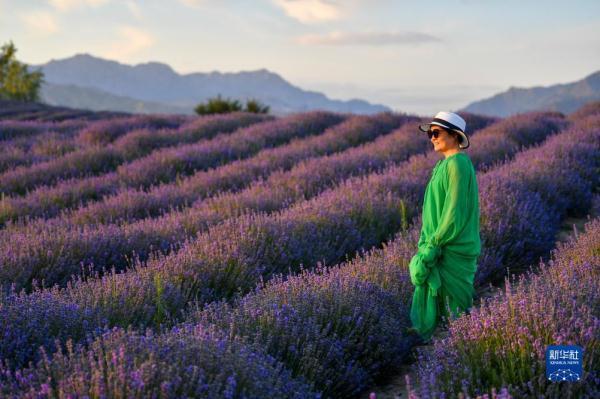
565,98
95,83
97,100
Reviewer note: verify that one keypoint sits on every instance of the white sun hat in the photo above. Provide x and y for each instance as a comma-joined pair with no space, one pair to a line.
451,121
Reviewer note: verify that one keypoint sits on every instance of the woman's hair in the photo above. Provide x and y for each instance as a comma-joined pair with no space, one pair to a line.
456,135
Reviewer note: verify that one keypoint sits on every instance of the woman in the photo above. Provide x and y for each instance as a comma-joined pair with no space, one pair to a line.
444,266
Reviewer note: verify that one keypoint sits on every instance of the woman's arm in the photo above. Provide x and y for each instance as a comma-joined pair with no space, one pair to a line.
455,212
452,220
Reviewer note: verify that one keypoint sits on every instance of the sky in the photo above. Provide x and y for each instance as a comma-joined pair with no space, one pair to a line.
414,56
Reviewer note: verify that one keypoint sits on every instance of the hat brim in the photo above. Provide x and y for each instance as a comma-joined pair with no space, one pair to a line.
465,139
425,127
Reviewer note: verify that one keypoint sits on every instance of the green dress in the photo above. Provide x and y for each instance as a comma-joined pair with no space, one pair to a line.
444,266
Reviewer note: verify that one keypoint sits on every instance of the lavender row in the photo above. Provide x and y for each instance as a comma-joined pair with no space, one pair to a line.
137,143
53,251
190,362
139,139
43,147
52,141
11,109
98,159
564,182
503,342
86,132
360,309
107,158
361,212
10,129
184,159
13,130
130,204
340,327
57,248
589,109
151,295
106,131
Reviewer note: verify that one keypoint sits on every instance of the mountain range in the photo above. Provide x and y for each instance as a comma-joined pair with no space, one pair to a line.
85,81
88,82
566,98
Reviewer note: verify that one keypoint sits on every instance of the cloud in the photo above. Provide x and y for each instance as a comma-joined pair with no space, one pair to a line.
40,22
67,5
368,38
131,40
193,3
134,9
310,11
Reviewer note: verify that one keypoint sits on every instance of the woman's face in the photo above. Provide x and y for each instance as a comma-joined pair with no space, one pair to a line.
444,141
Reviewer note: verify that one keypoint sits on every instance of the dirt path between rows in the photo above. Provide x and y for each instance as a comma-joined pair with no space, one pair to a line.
394,387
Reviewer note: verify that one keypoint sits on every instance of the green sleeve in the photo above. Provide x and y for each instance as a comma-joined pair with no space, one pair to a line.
455,212
427,253
422,238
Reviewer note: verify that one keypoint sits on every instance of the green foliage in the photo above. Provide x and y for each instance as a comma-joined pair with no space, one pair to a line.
403,215
161,310
16,82
255,106
219,105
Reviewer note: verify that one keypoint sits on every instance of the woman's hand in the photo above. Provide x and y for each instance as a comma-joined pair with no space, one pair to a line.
421,264
430,253
418,270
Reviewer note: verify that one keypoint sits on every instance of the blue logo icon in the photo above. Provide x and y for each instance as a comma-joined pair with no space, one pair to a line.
564,362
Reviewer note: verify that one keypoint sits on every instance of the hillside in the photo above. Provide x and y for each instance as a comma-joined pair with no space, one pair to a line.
69,95
97,83
565,98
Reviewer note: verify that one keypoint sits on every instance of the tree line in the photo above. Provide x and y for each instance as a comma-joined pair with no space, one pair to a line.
16,81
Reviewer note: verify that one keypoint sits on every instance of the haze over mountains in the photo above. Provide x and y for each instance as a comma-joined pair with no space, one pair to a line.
85,81
565,98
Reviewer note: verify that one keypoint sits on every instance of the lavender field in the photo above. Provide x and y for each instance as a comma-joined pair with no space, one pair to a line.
252,256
